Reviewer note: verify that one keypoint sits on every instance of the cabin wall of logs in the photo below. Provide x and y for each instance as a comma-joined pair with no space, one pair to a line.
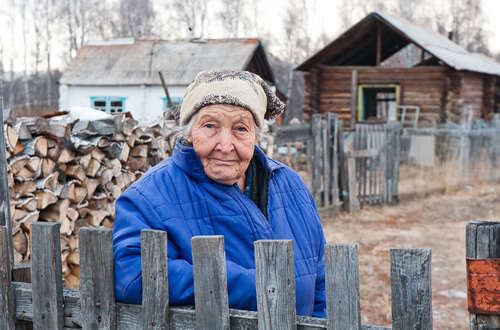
441,93
71,172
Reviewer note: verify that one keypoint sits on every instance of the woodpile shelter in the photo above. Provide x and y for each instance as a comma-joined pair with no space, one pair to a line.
383,68
121,75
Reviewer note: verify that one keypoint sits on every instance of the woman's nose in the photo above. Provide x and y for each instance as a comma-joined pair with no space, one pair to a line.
225,142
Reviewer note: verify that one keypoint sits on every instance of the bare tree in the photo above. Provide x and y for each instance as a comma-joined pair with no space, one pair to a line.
23,10
136,18
190,16
233,16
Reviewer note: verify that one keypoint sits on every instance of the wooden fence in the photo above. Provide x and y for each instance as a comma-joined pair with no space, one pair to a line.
47,305
373,178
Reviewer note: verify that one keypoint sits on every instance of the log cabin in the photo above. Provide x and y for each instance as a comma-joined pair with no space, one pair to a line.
384,66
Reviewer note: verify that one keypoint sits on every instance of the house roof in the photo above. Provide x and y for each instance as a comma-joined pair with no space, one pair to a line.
137,62
357,46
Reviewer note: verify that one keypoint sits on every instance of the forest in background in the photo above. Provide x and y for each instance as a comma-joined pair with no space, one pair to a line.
39,37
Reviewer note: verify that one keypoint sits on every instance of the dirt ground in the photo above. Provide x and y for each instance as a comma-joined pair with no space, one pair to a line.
434,220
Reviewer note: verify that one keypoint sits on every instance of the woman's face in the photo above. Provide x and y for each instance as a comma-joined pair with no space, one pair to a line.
223,137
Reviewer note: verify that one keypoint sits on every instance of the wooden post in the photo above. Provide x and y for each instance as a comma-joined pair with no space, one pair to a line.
327,163
411,289
482,241
343,175
354,97
334,125
342,287
154,279
210,282
97,281
5,215
352,204
7,299
316,159
46,276
275,284
379,45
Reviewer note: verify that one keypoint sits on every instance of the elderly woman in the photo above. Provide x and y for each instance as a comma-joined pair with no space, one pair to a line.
218,182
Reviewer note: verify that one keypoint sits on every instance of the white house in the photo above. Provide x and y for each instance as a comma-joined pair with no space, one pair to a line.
122,75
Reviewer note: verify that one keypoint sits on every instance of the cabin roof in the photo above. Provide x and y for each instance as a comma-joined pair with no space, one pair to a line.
137,61
357,46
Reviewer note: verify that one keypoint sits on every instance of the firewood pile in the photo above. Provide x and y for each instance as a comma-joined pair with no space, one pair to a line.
72,172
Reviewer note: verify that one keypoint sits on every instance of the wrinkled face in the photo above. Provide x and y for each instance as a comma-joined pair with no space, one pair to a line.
223,137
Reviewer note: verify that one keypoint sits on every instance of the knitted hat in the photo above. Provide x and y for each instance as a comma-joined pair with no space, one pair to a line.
240,88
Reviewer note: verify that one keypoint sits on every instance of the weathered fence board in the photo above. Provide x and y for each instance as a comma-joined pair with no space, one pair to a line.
154,279
317,157
46,276
483,241
342,287
97,278
411,289
275,284
7,303
210,282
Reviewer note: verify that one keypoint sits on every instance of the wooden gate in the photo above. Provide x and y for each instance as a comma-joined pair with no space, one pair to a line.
376,149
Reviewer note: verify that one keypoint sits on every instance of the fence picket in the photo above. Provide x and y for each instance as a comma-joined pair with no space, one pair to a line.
46,276
342,287
482,242
98,307
154,279
275,284
210,282
7,306
411,289
334,149
317,157
326,129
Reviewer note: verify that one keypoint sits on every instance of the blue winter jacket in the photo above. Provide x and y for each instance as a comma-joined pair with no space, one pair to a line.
177,196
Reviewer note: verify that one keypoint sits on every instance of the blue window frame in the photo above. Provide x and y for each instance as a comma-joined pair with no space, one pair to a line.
176,100
109,104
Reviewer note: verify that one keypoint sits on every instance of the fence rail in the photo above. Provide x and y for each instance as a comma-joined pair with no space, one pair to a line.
48,306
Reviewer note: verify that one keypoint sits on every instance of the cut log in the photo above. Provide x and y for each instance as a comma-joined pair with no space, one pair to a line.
66,156
48,166
25,174
45,198
128,125
18,214
73,242
55,212
49,183
85,160
53,153
144,138
106,176
28,220
20,243
98,154
113,190
96,217
93,168
74,258
11,137
72,214
24,188
67,226
66,271
18,148
22,130
91,186
131,140
107,223
34,163
140,150
119,151
75,171
29,204
137,163
17,163
71,281
37,146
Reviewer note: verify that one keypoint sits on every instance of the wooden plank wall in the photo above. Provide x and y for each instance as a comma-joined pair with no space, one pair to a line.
439,92
421,86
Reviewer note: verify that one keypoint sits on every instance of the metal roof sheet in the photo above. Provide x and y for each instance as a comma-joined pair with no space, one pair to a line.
434,43
138,63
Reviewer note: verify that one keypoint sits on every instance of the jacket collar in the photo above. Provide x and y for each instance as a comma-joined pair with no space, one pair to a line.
186,158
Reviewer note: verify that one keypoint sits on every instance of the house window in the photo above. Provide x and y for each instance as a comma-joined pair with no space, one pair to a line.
176,100
109,104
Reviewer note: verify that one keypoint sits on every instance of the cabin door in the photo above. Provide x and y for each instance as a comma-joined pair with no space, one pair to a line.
377,102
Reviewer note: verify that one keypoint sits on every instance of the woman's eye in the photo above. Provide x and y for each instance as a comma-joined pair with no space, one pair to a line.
241,129
209,126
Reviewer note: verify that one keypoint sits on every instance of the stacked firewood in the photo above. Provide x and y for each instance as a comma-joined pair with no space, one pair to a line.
72,172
